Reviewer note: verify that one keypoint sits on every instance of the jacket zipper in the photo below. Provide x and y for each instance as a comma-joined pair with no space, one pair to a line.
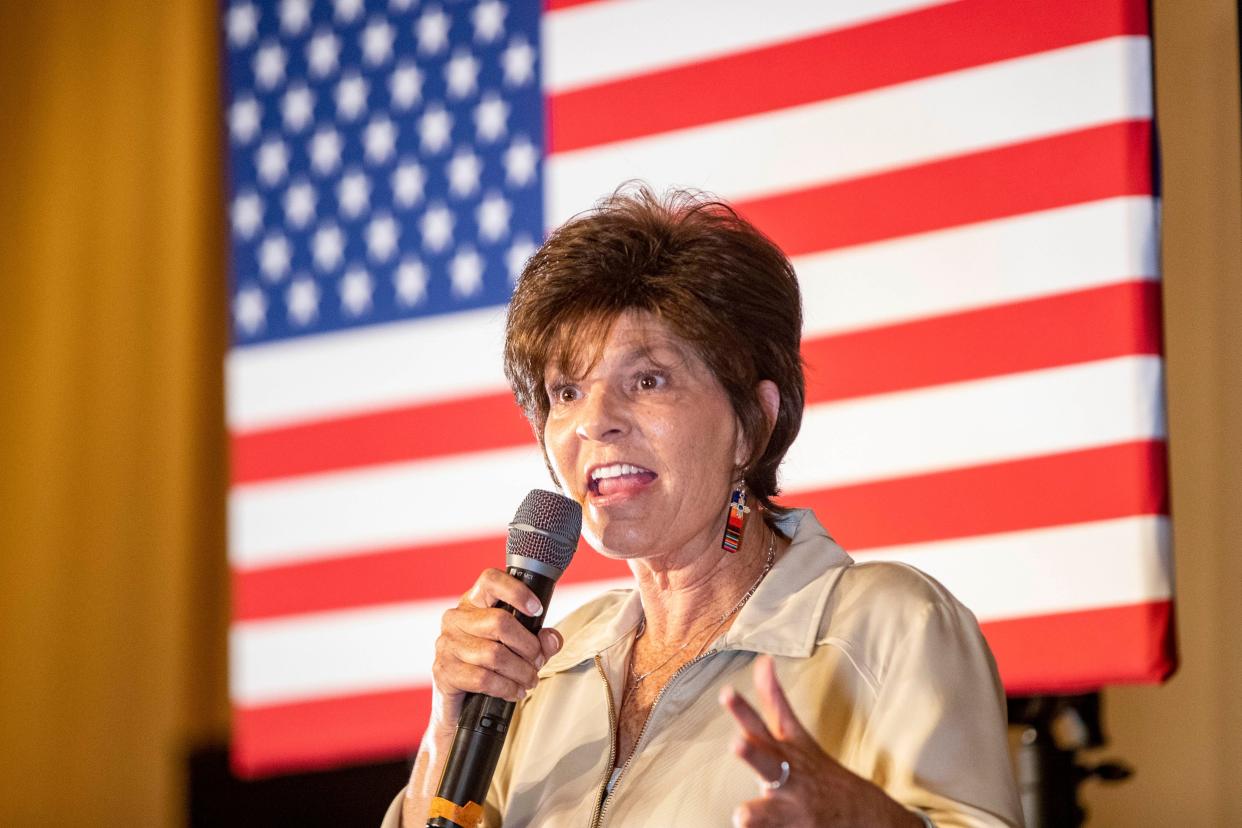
601,803
612,741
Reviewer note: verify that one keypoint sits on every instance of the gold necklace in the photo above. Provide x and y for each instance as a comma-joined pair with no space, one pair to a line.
642,624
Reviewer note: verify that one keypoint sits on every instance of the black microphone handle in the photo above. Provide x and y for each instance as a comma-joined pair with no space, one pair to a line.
483,725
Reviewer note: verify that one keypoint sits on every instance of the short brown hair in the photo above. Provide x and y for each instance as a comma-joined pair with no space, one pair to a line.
704,271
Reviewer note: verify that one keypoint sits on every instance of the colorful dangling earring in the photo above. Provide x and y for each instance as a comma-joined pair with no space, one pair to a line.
736,518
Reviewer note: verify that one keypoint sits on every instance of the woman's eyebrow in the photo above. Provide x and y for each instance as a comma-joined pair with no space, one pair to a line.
663,353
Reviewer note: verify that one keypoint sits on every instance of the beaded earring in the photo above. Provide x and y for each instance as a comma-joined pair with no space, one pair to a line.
734,522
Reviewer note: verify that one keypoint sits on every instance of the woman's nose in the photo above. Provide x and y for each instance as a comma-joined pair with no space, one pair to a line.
602,416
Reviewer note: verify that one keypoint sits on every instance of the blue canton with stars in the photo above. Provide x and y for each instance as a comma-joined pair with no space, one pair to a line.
385,157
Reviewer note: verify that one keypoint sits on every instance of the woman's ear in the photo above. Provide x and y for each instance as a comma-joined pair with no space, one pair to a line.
770,398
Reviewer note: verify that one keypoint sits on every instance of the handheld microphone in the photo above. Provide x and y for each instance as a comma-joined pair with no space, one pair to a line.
542,539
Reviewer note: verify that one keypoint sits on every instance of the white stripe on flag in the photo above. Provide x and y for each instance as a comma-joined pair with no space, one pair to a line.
883,436
1044,571
426,501
974,423
1063,569
600,42
353,651
957,269
991,263
376,367
959,112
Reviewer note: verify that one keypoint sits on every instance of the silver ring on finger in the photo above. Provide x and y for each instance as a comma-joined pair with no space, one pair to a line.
775,784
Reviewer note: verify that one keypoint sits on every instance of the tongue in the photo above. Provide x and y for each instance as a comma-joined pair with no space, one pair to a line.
624,483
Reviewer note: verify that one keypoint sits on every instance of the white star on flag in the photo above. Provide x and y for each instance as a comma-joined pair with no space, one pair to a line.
380,139
347,11
298,107
250,309
274,257
410,282
437,227
518,62
294,15
405,86
520,161
269,65
247,213
353,193
489,20
300,204
519,254
322,53
351,96
461,74
432,30
244,117
382,235
329,247
273,161
377,40
302,301
491,117
493,217
242,24
435,128
356,291
408,181
466,272
463,172
400,5
325,150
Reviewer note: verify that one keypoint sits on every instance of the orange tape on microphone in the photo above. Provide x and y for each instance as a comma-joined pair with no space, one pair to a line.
469,815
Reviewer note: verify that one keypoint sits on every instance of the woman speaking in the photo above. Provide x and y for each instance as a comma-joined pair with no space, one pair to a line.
754,675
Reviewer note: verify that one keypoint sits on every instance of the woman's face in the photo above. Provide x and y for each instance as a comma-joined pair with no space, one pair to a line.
646,441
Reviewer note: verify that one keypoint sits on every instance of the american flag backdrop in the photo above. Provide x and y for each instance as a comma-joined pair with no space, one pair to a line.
966,190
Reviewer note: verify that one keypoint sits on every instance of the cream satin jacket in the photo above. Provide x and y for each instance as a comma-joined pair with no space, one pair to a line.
880,662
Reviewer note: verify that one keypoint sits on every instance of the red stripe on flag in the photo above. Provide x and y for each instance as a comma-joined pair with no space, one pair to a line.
894,50
1070,652
1115,481
1072,168
299,736
1075,652
479,423
1083,326
386,576
1075,487
553,5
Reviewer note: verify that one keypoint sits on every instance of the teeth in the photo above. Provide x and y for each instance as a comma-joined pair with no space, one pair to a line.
615,470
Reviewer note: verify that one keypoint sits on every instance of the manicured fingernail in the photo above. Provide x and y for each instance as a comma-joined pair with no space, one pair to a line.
538,661
521,694
533,607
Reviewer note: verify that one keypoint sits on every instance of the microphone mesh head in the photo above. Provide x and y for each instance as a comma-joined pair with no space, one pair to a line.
551,513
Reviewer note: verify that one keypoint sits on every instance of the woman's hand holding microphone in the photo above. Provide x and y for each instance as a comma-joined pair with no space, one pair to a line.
481,649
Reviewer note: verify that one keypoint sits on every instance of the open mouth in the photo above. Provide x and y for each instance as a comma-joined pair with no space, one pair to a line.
618,478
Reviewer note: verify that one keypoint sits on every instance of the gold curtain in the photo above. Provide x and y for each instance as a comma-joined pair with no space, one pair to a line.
112,330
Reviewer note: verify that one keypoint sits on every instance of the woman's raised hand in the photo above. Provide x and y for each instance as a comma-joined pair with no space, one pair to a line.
483,649
799,784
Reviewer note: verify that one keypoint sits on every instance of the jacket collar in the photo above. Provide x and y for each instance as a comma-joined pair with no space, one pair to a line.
782,618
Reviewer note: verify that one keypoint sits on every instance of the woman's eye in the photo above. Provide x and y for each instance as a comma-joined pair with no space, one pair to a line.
650,382
565,393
